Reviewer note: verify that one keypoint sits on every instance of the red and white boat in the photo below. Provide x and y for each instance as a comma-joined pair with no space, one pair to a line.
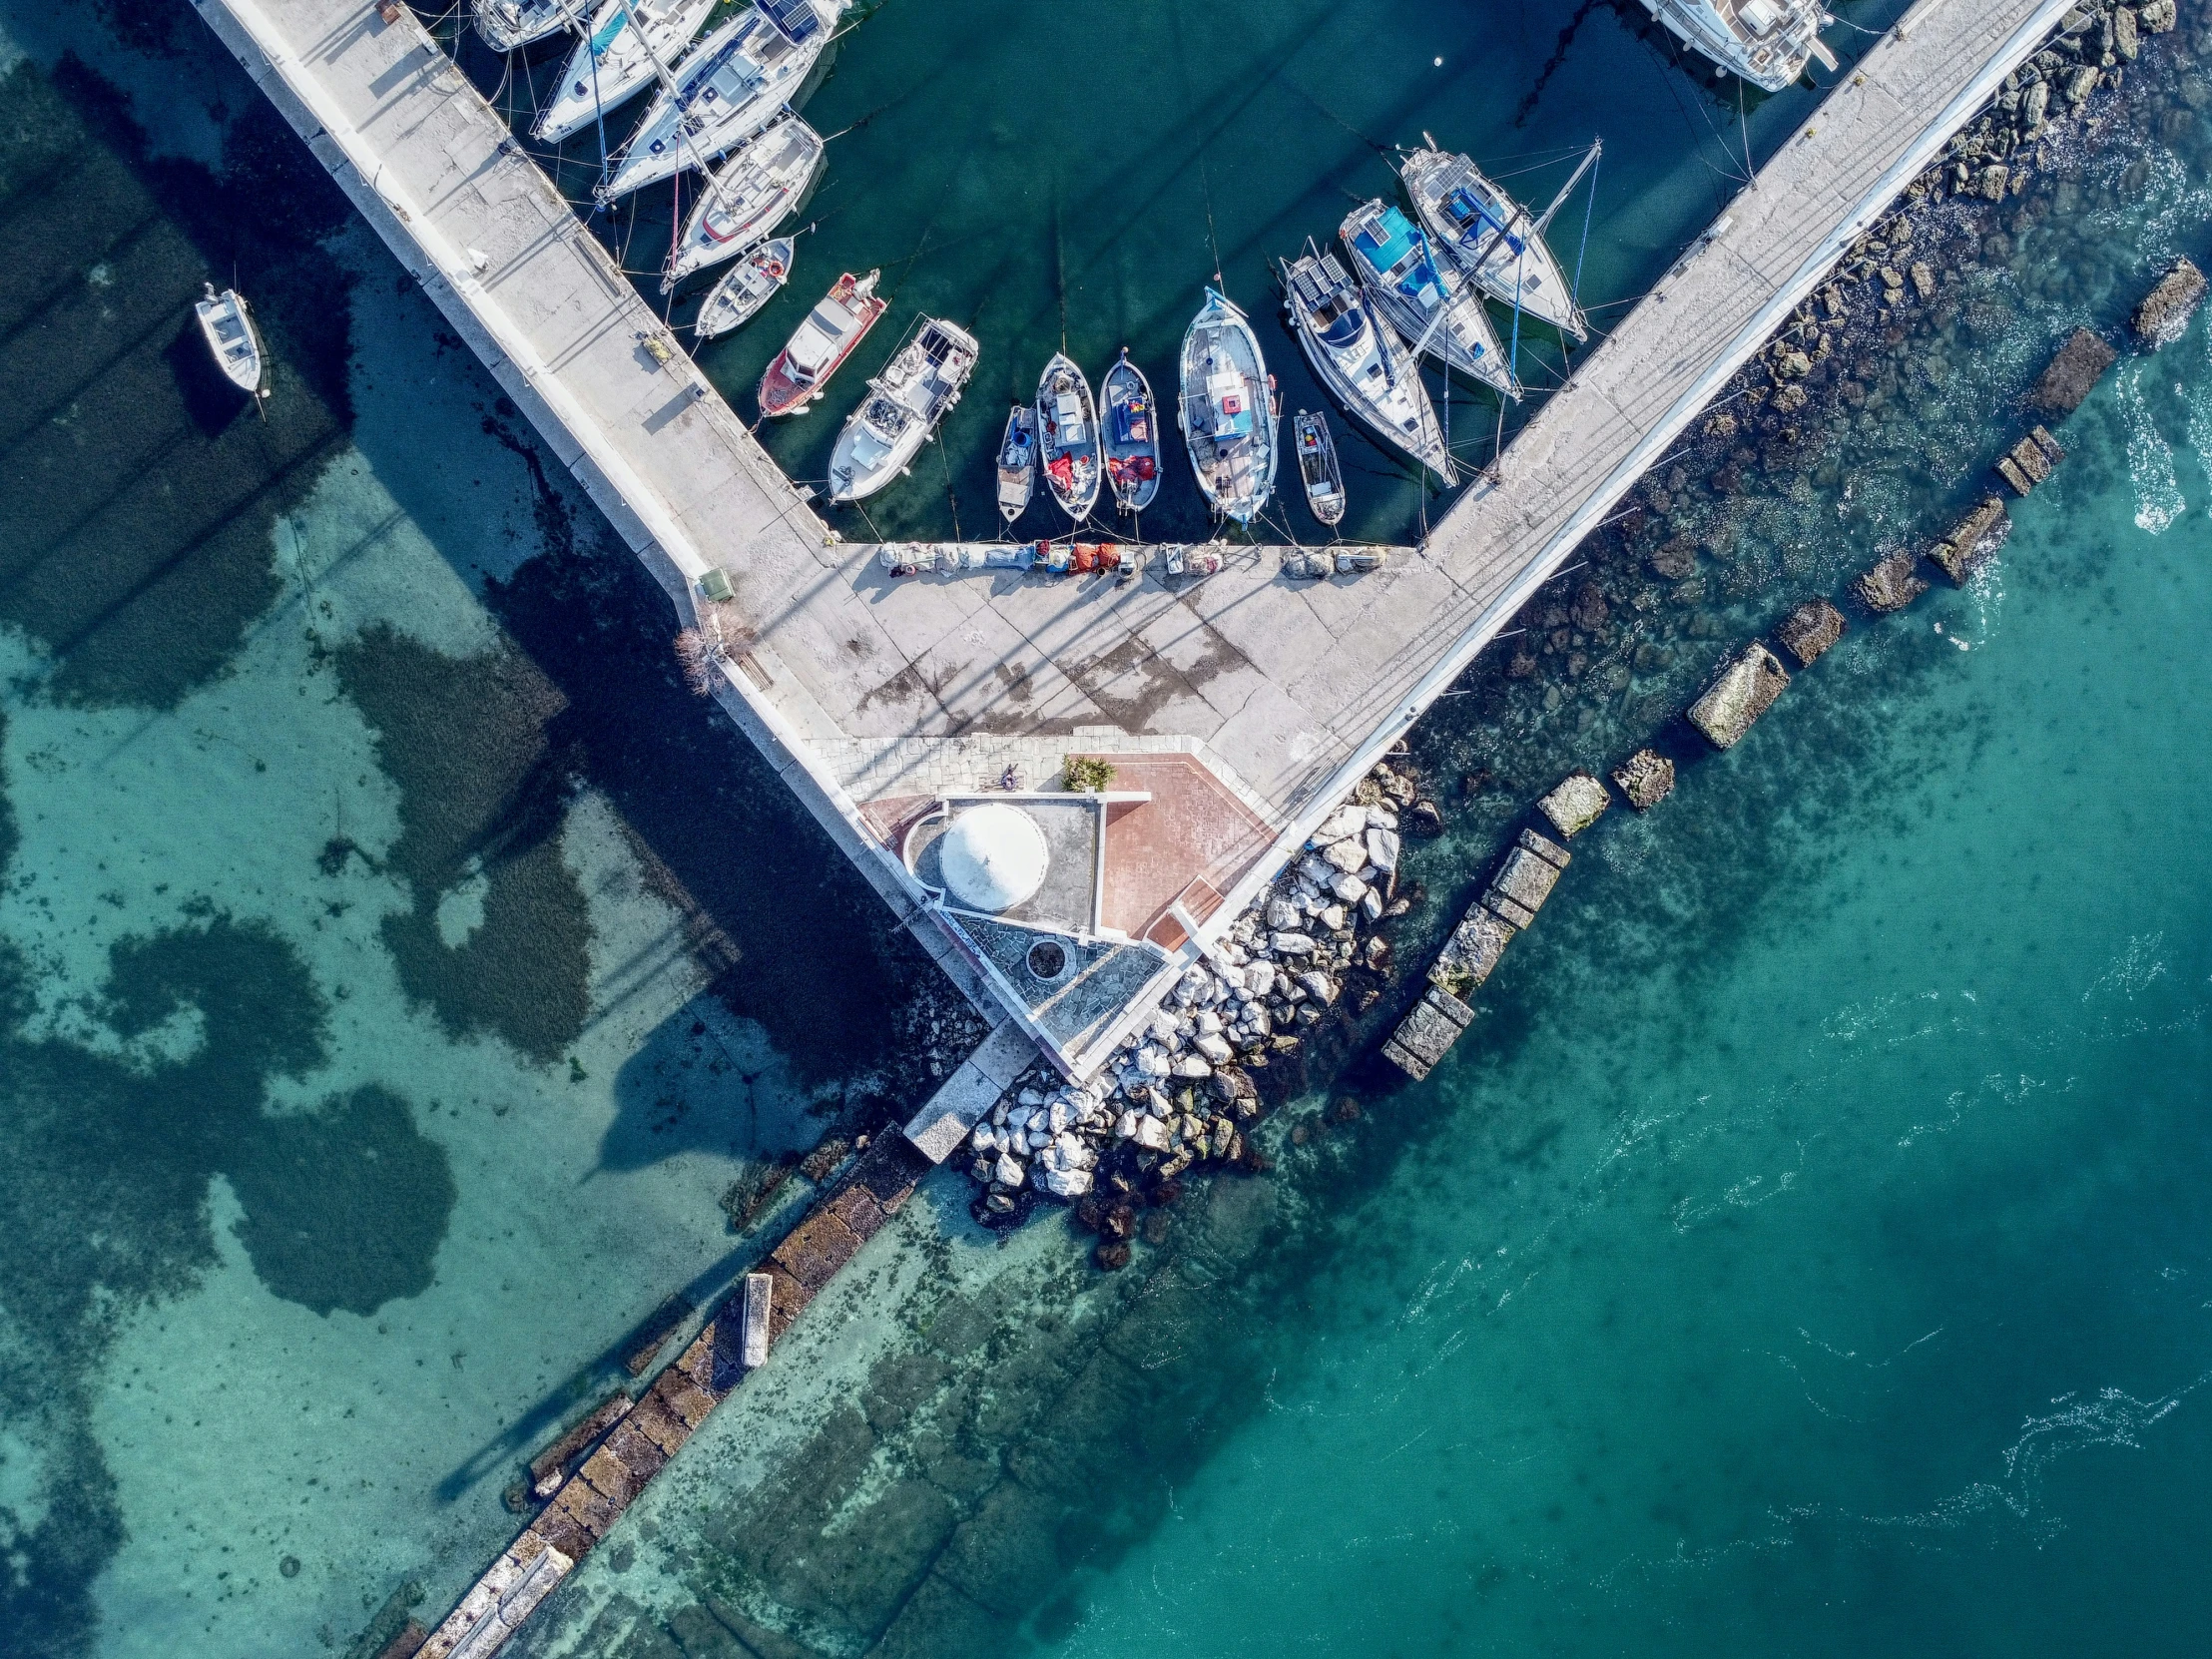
836,325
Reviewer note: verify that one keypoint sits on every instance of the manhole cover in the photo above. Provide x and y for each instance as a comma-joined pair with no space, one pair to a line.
1047,960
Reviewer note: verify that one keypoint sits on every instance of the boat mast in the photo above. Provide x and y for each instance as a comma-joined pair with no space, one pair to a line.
1598,148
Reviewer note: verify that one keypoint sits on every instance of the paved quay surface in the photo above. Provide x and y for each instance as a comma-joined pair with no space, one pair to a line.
863,686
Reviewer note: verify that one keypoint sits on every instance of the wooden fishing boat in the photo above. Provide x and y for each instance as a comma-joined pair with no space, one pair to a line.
620,55
839,321
1067,436
1318,467
1227,410
1132,436
1357,356
1017,462
918,387
754,192
757,279
228,326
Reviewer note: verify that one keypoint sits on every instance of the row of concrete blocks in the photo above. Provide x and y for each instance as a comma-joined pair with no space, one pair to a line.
638,1441
1523,882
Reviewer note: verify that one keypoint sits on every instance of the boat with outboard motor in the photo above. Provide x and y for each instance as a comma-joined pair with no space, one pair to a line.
1357,356
1492,238
1067,436
1132,436
621,54
1226,408
757,279
1318,466
508,24
730,85
918,387
820,345
754,192
227,325
1017,462
1429,301
1767,42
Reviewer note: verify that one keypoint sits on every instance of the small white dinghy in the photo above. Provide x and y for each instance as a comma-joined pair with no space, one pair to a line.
617,60
751,195
757,279
228,328
904,403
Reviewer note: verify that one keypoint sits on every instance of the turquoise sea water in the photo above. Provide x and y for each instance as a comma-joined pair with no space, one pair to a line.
1804,1254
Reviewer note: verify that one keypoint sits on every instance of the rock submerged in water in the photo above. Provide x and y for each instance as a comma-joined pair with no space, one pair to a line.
1578,802
2072,374
1646,777
1809,631
1890,585
1974,540
1745,690
1471,952
2164,314
2028,463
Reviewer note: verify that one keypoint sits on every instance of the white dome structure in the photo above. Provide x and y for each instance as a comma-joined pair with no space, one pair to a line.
993,857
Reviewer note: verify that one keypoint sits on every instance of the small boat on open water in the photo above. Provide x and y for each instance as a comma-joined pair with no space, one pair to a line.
1318,467
1357,356
730,85
228,326
1492,238
732,301
1017,462
754,192
1226,408
1430,301
617,59
1132,436
1067,436
1767,42
839,321
917,388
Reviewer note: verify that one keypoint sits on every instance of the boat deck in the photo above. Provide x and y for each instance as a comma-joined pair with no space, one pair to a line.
865,686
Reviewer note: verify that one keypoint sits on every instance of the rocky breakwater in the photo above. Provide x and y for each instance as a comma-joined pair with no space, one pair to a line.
1180,1093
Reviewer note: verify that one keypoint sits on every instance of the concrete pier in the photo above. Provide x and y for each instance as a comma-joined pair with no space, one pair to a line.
871,690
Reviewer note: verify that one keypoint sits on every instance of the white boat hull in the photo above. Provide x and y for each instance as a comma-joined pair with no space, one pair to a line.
614,62
737,298
1232,455
235,343
751,195
1769,43
1067,430
1500,249
905,404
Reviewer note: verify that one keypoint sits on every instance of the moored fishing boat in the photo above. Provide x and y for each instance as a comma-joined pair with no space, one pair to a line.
754,192
1496,241
1017,462
839,321
918,387
507,24
1067,436
1132,436
1318,466
1767,42
730,85
1226,408
734,301
618,58
1357,356
1430,301
228,326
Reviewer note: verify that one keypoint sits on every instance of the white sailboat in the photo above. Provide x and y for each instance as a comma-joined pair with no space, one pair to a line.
737,298
754,192
917,390
228,328
1430,301
1767,42
1227,410
1357,356
1492,238
618,58
507,24
731,86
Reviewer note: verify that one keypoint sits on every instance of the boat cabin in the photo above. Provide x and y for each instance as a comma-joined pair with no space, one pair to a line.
1395,251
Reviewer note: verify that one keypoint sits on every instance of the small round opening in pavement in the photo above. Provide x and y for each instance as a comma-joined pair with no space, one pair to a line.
1047,960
